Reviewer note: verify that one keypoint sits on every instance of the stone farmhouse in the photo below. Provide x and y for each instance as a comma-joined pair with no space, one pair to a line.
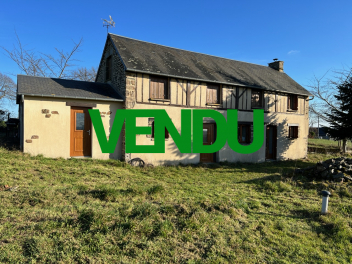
134,74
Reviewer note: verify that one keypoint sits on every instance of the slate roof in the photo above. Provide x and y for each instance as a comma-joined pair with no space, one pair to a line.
62,88
145,57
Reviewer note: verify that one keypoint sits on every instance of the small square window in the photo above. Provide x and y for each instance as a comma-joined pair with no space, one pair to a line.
159,88
213,93
257,99
293,131
292,102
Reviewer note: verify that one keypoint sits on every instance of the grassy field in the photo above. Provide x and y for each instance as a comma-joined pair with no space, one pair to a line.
324,143
92,211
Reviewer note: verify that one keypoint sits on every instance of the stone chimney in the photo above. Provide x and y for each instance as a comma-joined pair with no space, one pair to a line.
277,65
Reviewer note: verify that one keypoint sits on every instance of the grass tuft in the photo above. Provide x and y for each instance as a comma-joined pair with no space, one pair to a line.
30,248
155,189
85,220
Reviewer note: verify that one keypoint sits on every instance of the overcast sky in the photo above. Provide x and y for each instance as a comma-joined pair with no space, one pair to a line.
311,37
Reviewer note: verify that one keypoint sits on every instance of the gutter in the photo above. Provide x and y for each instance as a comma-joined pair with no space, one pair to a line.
72,97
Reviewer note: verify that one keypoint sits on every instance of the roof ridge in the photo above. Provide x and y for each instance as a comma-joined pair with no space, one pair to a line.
190,51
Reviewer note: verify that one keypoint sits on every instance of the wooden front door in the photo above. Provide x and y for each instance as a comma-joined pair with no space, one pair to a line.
81,140
271,142
208,139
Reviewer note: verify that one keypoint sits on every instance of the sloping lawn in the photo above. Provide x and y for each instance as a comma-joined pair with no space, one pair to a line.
91,211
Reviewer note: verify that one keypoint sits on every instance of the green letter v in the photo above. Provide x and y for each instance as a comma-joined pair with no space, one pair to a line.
105,145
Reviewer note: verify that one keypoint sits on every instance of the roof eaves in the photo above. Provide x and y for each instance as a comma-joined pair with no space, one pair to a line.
73,97
308,93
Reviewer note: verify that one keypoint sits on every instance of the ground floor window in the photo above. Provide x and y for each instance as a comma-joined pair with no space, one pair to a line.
151,124
293,131
244,133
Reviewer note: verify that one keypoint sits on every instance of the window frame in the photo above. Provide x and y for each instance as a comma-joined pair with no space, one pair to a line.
218,94
166,96
292,99
293,132
151,124
248,134
108,68
261,98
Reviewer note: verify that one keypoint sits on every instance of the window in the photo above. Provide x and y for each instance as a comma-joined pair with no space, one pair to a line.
79,121
108,68
151,123
213,93
293,131
244,133
257,99
159,88
292,102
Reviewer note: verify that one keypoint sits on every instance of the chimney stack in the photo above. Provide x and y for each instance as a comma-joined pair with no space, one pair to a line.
277,65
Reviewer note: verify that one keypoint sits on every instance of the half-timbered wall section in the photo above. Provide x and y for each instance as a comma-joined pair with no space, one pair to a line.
236,97
194,94
277,102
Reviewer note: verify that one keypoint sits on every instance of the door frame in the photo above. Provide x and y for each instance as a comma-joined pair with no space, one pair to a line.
85,131
214,137
274,141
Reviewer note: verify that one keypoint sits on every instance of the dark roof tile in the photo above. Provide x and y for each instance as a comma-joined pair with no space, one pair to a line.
141,56
42,86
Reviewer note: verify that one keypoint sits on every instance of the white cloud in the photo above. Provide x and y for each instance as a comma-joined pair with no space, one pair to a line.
292,52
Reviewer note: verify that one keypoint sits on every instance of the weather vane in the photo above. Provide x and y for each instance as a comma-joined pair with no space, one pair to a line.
108,24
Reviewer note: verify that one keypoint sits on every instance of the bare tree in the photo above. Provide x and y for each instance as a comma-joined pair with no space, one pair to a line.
45,65
313,120
84,74
7,87
3,115
324,90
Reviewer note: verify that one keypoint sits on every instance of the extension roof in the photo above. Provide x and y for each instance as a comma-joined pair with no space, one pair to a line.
62,88
145,57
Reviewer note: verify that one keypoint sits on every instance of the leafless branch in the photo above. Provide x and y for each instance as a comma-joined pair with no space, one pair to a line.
84,74
324,90
40,64
7,87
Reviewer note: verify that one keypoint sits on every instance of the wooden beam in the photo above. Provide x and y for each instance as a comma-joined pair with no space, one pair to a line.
237,97
81,104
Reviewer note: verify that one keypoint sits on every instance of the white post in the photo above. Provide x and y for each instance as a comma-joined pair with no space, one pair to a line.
325,202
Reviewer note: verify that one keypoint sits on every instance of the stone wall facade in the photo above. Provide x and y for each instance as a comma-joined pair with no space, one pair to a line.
130,101
118,82
118,78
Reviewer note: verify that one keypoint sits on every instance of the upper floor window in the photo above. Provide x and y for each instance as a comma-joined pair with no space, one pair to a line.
293,131
292,102
159,88
213,93
257,99
108,68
